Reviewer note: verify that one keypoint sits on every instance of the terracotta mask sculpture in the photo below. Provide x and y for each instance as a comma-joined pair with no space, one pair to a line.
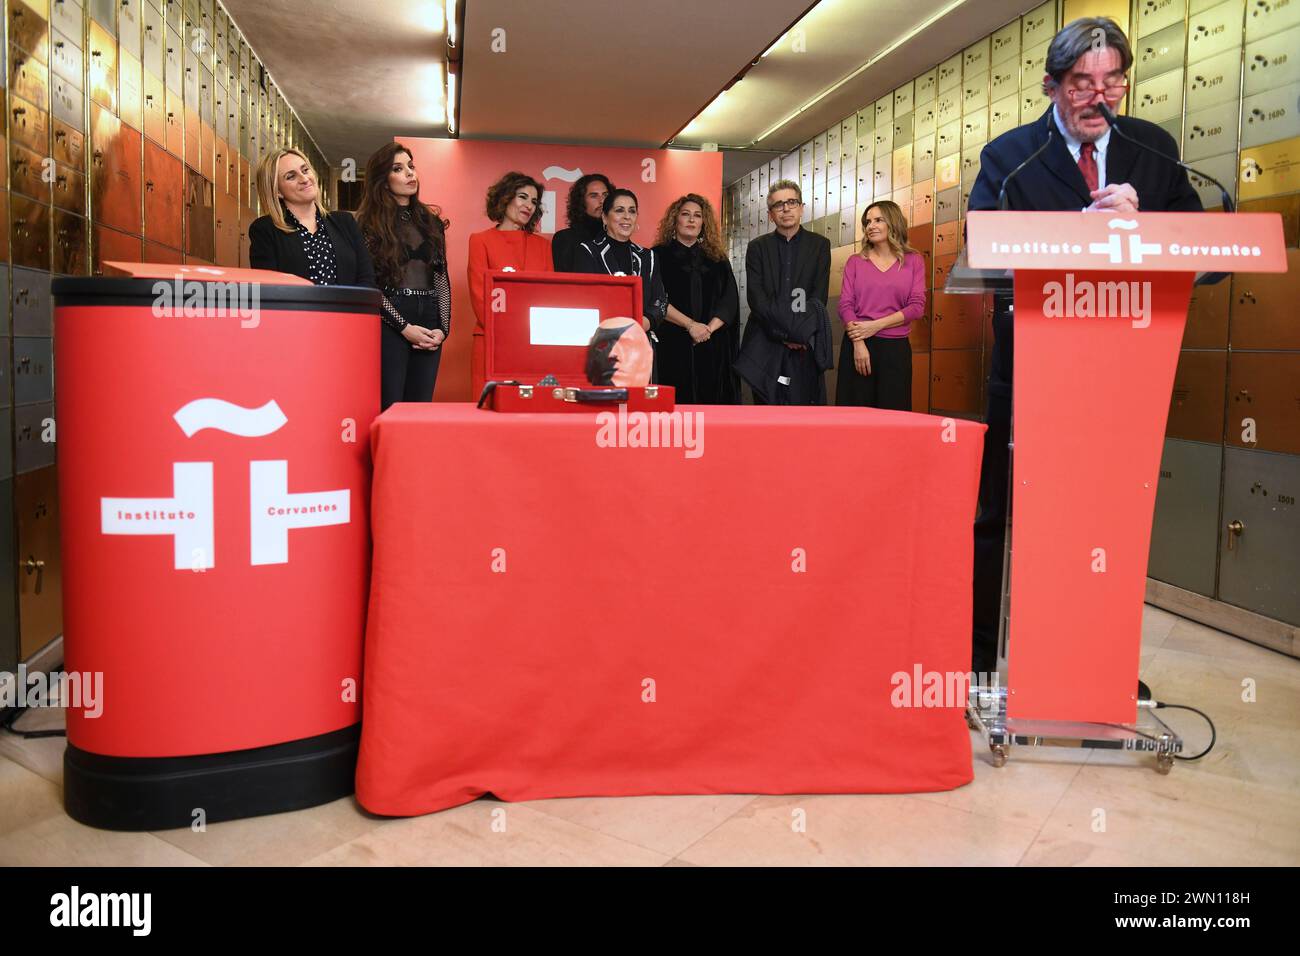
619,354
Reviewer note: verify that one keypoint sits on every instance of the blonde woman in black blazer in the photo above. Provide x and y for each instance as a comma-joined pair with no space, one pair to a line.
297,235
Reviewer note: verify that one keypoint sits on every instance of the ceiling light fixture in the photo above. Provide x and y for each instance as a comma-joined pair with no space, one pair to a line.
454,63
453,107
909,35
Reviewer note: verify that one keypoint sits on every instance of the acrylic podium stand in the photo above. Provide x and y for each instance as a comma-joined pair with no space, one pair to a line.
1100,302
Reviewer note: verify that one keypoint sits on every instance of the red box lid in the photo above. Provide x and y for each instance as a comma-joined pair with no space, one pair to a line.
539,323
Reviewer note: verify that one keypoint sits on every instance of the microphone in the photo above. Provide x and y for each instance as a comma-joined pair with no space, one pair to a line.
1109,117
1002,193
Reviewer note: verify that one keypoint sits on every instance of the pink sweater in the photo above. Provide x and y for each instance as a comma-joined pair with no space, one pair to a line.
868,293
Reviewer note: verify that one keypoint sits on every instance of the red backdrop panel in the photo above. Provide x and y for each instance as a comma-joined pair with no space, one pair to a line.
455,174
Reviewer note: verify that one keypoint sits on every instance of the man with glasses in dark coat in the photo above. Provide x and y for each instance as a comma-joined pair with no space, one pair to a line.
1085,167
787,346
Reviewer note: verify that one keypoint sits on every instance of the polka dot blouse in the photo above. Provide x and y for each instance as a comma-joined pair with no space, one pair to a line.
321,266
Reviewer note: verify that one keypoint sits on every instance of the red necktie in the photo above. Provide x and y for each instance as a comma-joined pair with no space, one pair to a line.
1088,165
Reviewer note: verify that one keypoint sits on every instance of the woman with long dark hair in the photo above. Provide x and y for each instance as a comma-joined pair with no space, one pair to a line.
514,204
408,245
883,293
698,342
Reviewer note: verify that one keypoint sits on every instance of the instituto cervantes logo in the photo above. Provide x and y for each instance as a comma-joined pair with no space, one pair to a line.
188,515
1136,251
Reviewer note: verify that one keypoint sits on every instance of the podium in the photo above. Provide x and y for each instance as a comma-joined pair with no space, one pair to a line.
214,481
540,323
1100,302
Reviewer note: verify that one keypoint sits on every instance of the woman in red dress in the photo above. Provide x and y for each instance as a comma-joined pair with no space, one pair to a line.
514,204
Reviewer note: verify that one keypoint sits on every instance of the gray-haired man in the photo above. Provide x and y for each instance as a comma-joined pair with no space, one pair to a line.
787,346
1085,167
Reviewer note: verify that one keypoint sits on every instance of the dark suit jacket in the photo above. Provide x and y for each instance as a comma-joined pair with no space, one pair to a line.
812,273
269,248
1053,182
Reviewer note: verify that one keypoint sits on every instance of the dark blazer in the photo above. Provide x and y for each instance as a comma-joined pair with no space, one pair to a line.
565,251
812,273
269,248
593,257
1053,183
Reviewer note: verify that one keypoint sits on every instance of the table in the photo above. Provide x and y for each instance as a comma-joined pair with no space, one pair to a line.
550,617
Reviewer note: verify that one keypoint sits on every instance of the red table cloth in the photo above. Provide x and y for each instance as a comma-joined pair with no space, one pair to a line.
551,616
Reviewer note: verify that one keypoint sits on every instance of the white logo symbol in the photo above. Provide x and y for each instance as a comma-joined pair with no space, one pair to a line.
1114,248
189,515
273,511
228,417
186,516
549,198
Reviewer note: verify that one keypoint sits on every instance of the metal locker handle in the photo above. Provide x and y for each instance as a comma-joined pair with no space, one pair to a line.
37,566
1235,528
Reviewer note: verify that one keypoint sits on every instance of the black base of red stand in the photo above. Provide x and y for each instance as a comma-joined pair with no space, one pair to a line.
164,793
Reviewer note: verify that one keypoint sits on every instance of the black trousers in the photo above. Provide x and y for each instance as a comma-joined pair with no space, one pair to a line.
807,384
408,374
890,383
991,519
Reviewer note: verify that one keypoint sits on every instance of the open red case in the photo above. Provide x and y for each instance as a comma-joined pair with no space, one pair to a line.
537,327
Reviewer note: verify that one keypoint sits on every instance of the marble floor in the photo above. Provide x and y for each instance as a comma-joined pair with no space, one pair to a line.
1238,806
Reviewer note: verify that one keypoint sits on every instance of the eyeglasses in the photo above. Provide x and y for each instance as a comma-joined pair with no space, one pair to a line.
785,204
1085,94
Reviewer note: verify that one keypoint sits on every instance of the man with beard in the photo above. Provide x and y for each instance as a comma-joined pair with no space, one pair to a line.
1086,168
583,213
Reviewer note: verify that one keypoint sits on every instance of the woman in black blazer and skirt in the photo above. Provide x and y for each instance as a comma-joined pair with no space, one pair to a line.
297,235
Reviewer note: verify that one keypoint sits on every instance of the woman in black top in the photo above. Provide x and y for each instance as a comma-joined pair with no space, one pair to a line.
698,342
297,235
408,244
615,254
586,202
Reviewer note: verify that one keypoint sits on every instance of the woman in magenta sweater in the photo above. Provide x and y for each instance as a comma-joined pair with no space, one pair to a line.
882,294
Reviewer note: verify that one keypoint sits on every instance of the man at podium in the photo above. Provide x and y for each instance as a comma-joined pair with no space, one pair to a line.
1067,159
